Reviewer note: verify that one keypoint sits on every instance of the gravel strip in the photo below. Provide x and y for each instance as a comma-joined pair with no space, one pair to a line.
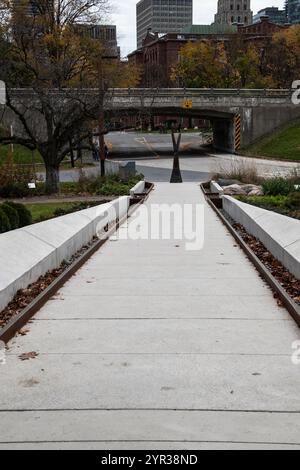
289,282
25,296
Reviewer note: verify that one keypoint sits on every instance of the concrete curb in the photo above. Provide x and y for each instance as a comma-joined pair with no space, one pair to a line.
30,252
216,188
280,234
139,188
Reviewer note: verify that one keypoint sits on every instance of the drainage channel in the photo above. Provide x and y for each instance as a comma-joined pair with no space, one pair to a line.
19,320
215,202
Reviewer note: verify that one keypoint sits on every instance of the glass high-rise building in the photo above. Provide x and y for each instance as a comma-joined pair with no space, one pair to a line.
293,11
273,13
162,16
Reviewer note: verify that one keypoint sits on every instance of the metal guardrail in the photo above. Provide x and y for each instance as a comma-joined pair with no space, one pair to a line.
281,93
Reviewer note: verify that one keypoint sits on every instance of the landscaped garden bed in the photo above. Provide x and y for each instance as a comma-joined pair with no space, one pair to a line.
110,185
278,194
36,206
285,205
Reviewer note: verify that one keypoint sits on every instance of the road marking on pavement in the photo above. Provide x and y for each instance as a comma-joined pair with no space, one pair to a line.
143,140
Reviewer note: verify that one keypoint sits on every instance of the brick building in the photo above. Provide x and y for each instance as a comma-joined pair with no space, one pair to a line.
160,52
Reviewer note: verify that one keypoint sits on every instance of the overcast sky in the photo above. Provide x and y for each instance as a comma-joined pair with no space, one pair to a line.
123,15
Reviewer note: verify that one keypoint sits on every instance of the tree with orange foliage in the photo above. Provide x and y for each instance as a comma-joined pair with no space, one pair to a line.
283,57
201,64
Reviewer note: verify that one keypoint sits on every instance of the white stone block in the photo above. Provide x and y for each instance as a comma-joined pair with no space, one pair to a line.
216,188
23,259
28,253
139,188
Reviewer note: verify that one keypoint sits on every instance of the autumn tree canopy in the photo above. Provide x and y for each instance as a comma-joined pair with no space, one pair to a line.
240,64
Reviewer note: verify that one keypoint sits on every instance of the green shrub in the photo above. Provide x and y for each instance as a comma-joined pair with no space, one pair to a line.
264,201
285,205
12,215
4,222
74,208
25,217
15,189
293,200
278,186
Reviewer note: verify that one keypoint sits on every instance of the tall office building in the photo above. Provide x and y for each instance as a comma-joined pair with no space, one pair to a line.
162,16
34,7
106,34
234,11
293,11
273,13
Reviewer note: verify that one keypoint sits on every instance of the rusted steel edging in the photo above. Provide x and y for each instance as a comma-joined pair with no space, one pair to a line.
290,305
18,321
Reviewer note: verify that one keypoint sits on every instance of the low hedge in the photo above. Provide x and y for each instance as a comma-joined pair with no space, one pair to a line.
13,216
25,217
4,222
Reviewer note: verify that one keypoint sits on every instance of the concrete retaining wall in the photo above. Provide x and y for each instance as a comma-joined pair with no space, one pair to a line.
124,169
29,252
280,234
111,167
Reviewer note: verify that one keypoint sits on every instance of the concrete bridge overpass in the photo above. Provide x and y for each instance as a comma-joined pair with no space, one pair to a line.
238,117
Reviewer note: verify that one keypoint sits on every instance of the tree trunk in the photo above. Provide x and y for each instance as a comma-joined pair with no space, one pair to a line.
72,154
52,178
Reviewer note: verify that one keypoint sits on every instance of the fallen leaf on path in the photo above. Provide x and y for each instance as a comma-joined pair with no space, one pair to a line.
27,356
23,331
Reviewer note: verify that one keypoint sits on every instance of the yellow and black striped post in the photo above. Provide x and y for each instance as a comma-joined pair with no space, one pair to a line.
238,130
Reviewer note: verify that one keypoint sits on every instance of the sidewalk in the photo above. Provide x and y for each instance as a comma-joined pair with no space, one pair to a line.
150,346
213,163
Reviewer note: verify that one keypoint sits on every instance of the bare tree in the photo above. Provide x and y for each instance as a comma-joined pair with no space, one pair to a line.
48,54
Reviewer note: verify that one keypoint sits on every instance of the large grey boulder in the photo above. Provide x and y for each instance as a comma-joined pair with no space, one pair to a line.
234,190
256,192
227,182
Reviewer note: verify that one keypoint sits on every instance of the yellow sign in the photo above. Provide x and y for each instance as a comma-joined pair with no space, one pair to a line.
187,104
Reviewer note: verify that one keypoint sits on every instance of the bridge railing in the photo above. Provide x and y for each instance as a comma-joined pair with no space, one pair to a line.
168,91
267,93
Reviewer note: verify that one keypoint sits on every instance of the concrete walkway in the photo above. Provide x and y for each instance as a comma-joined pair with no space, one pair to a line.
152,346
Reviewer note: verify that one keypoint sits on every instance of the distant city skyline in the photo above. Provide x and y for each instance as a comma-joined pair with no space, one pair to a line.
123,15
